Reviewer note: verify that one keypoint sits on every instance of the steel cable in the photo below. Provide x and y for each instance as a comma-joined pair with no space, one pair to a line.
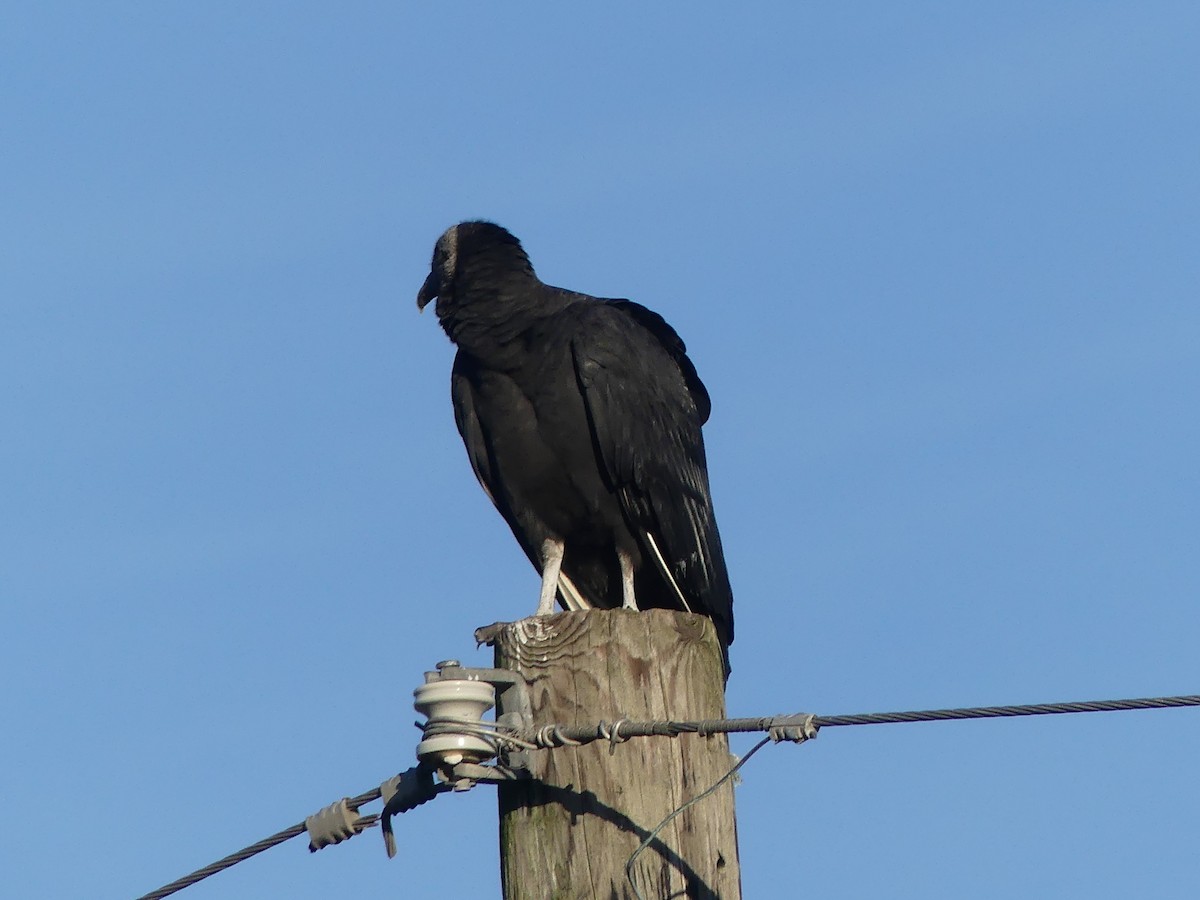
552,736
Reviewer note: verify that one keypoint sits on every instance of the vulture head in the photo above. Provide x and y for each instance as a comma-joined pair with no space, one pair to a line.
471,255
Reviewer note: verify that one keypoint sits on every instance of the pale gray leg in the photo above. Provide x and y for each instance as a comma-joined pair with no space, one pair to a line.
628,601
552,557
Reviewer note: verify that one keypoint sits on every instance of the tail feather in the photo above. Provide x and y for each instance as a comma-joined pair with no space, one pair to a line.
571,597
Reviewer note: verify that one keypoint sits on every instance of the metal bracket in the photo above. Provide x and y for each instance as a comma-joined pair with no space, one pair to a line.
512,690
466,775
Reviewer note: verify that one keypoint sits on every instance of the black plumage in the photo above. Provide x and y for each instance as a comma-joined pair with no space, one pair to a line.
581,417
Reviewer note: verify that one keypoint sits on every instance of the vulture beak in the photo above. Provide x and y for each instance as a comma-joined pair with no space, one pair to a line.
428,291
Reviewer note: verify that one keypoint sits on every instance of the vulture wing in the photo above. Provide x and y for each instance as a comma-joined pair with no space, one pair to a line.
645,405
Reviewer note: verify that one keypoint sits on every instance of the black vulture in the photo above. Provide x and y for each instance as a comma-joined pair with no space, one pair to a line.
581,417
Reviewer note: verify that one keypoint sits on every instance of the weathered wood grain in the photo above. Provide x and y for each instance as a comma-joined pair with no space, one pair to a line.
568,832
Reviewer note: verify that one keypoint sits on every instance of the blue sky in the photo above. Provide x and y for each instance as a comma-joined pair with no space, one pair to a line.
936,263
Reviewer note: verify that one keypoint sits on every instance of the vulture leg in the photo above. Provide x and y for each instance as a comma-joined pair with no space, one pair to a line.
552,557
628,601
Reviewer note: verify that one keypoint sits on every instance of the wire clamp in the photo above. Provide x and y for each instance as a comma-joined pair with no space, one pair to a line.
403,792
335,823
796,728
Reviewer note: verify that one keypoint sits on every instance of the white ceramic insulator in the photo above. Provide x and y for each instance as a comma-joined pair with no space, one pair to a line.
454,699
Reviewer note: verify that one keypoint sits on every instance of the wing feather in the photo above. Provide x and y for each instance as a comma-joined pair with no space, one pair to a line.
645,407
467,420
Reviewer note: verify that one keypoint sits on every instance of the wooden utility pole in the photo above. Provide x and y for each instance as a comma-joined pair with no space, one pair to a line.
567,833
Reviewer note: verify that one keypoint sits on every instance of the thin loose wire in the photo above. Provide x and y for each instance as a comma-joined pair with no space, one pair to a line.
665,822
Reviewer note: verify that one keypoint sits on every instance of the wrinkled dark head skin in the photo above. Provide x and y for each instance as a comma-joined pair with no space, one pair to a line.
464,248
441,268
